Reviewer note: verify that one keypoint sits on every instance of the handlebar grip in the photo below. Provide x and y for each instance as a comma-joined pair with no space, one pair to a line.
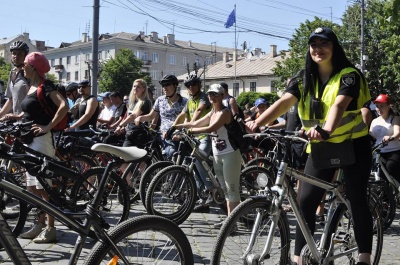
321,131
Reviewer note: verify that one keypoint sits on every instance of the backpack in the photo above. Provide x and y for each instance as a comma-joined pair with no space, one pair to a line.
236,130
240,114
48,105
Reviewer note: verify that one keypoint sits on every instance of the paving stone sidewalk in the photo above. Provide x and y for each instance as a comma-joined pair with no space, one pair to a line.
198,228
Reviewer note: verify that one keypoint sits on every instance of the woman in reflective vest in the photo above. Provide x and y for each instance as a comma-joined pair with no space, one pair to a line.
330,92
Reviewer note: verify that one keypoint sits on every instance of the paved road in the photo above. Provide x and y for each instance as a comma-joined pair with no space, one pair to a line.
198,228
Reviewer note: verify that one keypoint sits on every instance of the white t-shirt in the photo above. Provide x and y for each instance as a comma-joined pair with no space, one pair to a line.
107,113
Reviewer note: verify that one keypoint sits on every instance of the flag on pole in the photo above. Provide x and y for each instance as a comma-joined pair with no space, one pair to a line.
231,19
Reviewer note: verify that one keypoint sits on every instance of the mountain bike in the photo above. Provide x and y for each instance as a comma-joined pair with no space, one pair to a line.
142,240
257,231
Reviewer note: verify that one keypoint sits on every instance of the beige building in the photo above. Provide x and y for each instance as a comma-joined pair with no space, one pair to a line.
34,45
253,72
160,55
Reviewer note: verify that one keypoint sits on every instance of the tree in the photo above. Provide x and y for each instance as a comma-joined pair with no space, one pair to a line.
118,74
294,61
4,70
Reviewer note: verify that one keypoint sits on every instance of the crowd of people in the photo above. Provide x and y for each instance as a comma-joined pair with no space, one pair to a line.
330,92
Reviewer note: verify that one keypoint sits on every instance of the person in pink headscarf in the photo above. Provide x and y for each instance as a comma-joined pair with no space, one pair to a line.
36,66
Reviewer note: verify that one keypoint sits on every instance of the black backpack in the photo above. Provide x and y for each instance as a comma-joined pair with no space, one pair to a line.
241,113
236,130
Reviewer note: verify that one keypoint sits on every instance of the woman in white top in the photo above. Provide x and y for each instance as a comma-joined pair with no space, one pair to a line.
386,128
227,160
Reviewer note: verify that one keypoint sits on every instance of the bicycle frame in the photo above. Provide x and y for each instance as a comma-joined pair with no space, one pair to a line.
281,190
91,215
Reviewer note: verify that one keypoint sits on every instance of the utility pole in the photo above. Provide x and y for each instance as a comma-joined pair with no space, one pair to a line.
95,46
362,39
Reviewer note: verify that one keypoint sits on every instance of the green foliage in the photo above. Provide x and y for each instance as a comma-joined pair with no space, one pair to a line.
294,62
250,97
4,71
53,78
118,74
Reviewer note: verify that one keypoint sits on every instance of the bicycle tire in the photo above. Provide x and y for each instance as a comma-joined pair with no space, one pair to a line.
116,193
162,232
386,197
136,177
342,227
14,211
260,162
172,194
234,236
148,175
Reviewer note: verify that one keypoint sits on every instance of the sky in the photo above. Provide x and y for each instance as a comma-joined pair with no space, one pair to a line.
260,23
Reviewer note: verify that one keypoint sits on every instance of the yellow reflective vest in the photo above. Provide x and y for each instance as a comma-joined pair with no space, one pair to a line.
351,125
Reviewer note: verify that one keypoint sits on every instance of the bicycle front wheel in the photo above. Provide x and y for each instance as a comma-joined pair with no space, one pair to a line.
145,240
172,194
234,245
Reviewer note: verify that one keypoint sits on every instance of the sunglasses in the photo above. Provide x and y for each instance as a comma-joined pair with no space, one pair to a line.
213,94
166,84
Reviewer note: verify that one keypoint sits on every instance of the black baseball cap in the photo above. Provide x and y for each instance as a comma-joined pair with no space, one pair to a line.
323,33
84,83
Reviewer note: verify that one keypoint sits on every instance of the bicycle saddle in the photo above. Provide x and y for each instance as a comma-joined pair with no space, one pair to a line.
125,153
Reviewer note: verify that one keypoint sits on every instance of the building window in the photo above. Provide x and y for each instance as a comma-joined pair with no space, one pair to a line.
76,75
52,62
137,54
68,76
87,56
100,55
86,74
197,62
235,89
155,57
154,74
253,86
172,59
60,61
68,59
184,61
76,59
144,56
209,61
108,55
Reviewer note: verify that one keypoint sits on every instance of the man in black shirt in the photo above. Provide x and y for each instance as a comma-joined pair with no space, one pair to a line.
117,101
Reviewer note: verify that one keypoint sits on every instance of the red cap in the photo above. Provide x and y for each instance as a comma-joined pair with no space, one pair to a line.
39,62
382,98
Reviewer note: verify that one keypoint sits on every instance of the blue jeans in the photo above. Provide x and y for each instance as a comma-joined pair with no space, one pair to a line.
205,145
170,147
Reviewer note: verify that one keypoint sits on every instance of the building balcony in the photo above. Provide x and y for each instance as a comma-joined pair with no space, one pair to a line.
59,68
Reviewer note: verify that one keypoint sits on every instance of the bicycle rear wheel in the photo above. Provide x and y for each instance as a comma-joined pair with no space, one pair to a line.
344,238
145,240
233,242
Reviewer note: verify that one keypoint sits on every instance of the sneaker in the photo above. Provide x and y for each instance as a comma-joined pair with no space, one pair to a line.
48,235
219,225
33,232
320,219
201,208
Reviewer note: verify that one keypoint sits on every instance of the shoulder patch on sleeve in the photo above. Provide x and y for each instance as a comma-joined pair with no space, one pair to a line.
349,79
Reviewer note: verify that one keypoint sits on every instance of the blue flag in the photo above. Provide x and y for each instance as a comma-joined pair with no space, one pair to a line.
231,19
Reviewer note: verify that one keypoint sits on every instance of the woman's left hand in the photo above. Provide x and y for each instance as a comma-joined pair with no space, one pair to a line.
39,129
313,134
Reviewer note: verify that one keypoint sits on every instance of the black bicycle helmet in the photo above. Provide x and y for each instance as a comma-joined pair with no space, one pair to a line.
191,80
169,79
19,45
71,87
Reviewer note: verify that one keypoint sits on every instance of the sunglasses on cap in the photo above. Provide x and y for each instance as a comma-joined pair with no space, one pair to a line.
213,94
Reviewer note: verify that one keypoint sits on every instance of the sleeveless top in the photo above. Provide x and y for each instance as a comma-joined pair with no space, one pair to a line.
221,144
82,109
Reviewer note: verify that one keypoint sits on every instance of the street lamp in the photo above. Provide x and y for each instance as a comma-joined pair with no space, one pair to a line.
205,66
